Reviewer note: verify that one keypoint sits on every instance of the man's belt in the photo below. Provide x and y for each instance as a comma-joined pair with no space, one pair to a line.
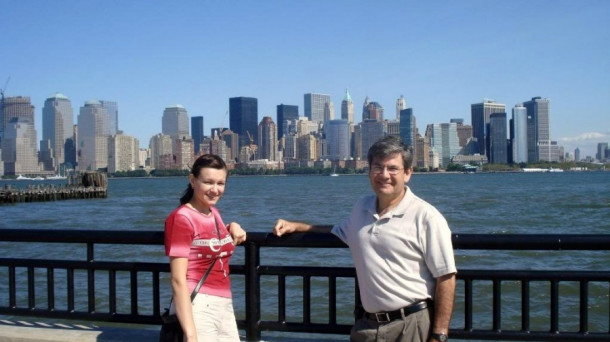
384,317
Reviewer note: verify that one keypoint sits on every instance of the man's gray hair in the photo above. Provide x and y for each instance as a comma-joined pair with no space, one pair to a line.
388,146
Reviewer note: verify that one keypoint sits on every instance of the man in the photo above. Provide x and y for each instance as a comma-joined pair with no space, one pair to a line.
401,247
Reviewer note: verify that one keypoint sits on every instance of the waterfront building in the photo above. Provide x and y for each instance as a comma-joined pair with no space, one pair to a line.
112,109
498,149
602,151
372,130
519,134
421,152
219,147
19,152
231,139
243,119
307,147
123,153
197,132
464,132
314,105
372,111
175,122
57,129
285,113
401,104
444,142
392,127
290,146
267,137
480,113
337,139
538,130
347,108
183,153
144,158
93,136
357,142
161,155
577,155
15,107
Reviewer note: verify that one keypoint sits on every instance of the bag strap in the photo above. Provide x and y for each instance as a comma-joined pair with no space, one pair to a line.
207,272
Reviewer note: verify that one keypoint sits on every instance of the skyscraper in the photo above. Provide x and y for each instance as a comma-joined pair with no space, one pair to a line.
329,111
498,148
538,130
347,108
267,137
285,113
314,106
519,134
372,111
444,140
123,153
19,147
112,109
175,122
15,107
480,113
401,104
243,118
601,151
338,139
197,132
92,137
57,126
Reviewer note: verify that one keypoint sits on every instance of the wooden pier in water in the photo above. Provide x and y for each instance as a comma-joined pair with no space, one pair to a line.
81,186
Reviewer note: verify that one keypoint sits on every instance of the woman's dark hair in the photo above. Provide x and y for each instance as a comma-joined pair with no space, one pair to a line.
207,160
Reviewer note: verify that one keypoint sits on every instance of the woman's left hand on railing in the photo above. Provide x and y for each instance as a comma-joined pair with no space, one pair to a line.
237,233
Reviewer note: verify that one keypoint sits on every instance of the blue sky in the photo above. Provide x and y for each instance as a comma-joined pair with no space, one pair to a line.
441,55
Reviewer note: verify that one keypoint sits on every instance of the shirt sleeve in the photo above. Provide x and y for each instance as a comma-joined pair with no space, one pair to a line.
439,249
179,234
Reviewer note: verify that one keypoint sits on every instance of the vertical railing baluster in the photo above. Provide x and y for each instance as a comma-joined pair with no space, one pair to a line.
253,292
584,306
497,306
50,289
332,300
306,299
70,286
90,279
468,304
31,288
133,275
525,305
554,306
12,287
281,301
156,293
112,292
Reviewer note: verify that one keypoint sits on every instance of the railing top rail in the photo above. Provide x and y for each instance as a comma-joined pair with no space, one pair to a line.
317,240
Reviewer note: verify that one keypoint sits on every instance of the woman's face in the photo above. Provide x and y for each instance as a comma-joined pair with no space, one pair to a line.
208,186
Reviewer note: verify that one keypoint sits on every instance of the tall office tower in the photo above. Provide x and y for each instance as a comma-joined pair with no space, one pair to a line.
401,104
329,111
161,155
372,111
498,148
392,127
408,127
347,108
243,118
464,132
175,122
290,146
577,155
182,149
421,152
338,139
19,151
307,147
267,137
285,113
219,147
112,108
123,153
314,106
197,132
444,140
57,127
538,130
232,141
480,113
70,149
372,130
519,134
15,107
92,137
601,151
143,157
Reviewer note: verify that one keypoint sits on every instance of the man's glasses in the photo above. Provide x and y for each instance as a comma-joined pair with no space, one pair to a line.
392,170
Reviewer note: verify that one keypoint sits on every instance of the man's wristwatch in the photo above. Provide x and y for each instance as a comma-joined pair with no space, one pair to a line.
442,337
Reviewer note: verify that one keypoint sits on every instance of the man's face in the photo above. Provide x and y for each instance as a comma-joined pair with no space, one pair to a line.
388,176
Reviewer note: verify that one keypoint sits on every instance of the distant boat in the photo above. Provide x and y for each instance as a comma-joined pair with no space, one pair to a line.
55,177
555,170
38,178
334,174
20,177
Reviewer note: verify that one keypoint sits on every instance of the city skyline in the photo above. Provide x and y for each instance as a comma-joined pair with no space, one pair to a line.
442,57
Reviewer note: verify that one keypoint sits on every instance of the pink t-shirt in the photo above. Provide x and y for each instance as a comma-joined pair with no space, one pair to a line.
191,234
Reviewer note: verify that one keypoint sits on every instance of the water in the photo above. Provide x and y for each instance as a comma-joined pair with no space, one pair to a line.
494,203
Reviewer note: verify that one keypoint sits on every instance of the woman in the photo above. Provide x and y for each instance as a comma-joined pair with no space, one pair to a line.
194,236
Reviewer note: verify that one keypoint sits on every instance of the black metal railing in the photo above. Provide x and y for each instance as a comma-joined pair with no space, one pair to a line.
132,291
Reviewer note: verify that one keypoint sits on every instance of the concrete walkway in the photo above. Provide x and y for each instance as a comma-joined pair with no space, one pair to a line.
24,331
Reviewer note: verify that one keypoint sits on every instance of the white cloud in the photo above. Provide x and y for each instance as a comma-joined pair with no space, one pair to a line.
587,137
